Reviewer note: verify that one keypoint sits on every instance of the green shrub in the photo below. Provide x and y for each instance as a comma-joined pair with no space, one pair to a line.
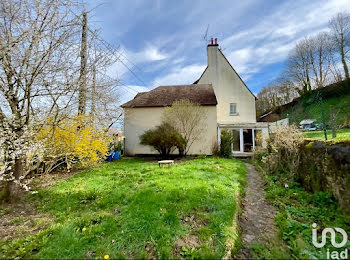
226,143
298,209
115,146
163,138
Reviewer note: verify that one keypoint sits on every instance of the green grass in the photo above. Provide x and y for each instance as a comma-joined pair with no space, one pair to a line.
134,209
297,211
342,135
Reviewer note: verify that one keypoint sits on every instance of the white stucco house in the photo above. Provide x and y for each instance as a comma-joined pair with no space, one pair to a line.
227,102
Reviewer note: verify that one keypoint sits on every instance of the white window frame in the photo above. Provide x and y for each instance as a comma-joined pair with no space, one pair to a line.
235,114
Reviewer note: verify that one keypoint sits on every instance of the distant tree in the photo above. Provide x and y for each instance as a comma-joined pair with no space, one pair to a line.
298,66
340,30
286,90
320,55
277,93
188,118
311,63
266,99
163,138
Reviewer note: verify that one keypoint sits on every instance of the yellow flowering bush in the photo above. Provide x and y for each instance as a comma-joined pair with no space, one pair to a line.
72,141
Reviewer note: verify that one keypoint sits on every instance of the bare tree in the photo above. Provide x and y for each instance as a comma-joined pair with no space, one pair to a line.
311,63
277,93
37,72
340,29
320,56
40,74
188,118
263,103
299,66
286,90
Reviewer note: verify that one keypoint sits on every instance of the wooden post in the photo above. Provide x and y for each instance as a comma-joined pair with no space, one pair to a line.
253,136
83,68
241,142
323,120
219,136
333,123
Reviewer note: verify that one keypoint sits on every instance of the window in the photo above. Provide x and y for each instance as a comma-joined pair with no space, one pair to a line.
233,109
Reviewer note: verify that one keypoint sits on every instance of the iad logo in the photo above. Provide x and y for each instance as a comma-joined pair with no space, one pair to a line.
334,254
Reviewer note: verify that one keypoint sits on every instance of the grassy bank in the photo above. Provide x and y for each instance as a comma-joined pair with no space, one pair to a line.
336,99
297,211
134,209
342,135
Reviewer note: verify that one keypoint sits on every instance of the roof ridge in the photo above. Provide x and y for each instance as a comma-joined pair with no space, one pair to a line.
200,93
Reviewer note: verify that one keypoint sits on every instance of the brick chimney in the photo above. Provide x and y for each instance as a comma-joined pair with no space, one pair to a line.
213,56
212,52
213,43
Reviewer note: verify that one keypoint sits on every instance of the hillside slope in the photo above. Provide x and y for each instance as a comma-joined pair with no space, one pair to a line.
335,97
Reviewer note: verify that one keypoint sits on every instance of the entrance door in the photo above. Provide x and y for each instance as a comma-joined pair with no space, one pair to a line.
236,140
248,143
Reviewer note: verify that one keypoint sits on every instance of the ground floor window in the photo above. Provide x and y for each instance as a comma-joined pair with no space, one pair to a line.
246,139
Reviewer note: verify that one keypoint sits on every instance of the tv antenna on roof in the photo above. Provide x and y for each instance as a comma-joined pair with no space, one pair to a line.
205,36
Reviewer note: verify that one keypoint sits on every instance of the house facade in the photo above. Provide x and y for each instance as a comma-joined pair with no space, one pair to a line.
226,100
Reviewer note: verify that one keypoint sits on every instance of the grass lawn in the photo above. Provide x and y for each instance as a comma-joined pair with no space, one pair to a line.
342,134
134,209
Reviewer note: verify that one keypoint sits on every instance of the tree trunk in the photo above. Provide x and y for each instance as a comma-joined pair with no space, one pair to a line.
334,132
346,70
342,54
13,189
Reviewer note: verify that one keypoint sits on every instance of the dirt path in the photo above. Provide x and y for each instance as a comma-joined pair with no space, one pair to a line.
258,214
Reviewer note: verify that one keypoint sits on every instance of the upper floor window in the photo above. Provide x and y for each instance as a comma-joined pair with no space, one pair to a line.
233,109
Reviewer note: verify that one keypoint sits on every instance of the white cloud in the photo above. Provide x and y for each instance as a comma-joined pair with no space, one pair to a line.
150,53
252,34
271,40
178,60
130,60
181,75
153,54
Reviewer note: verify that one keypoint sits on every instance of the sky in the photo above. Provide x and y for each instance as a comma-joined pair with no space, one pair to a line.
162,42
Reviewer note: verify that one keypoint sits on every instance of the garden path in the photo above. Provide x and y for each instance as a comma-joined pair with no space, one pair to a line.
257,219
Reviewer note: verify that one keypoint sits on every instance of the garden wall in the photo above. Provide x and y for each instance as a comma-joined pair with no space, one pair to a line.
325,166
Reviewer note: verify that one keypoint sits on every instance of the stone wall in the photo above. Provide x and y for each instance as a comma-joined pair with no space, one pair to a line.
325,166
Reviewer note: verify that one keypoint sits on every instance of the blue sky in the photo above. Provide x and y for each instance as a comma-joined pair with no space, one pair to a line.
162,40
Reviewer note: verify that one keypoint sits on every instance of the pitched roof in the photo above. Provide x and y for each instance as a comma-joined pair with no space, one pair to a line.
162,96
238,75
231,68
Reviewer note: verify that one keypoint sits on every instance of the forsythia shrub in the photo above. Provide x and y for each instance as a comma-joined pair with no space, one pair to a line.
73,141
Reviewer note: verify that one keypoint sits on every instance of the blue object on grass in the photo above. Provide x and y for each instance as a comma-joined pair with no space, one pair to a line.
113,156
116,155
